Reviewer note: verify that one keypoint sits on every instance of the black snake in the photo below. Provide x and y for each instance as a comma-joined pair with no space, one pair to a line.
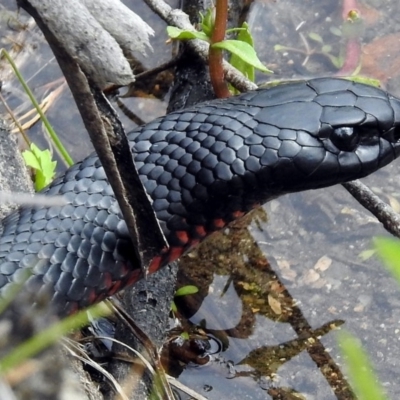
202,167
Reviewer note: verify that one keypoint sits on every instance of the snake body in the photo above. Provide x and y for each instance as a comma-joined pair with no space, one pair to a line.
202,167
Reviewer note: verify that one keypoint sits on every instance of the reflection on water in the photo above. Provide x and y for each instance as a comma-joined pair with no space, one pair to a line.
239,306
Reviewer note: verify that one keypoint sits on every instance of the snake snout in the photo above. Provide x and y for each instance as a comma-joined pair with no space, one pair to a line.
395,104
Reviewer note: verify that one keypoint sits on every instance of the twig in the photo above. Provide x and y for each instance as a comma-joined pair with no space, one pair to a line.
154,71
382,211
27,199
215,55
179,385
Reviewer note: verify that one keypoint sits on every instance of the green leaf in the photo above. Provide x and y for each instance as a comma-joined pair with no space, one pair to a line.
245,35
317,38
389,250
30,159
245,68
335,31
327,48
185,335
185,290
40,180
232,30
42,163
174,308
361,372
244,51
180,34
336,61
279,47
366,254
207,22
366,80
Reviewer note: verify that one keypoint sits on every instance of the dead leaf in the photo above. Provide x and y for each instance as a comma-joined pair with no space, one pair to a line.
323,263
289,275
283,264
275,305
394,203
311,276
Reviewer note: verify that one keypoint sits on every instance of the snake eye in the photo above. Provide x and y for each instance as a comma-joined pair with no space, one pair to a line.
344,138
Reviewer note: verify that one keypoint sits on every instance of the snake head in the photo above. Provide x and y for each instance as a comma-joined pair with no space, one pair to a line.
345,130
360,127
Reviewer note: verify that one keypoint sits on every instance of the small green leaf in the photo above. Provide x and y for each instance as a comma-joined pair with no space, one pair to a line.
30,159
327,48
335,31
41,162
336,61
279,47
40,180
245,34
232,30
207,22
48,165
317,38
246,69
366,80
174,308
180,34
366,384
185,335
185,290
366,254
389,250
244,51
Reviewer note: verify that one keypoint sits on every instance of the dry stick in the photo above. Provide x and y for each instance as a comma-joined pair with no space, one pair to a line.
146,74
382,211
112,147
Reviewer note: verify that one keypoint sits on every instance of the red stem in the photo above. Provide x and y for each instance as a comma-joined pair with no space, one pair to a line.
215,55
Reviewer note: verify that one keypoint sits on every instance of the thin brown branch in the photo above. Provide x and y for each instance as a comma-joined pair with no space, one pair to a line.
215,56
382,211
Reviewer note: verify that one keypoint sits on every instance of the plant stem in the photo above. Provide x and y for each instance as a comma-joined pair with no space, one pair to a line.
44,119
215,55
